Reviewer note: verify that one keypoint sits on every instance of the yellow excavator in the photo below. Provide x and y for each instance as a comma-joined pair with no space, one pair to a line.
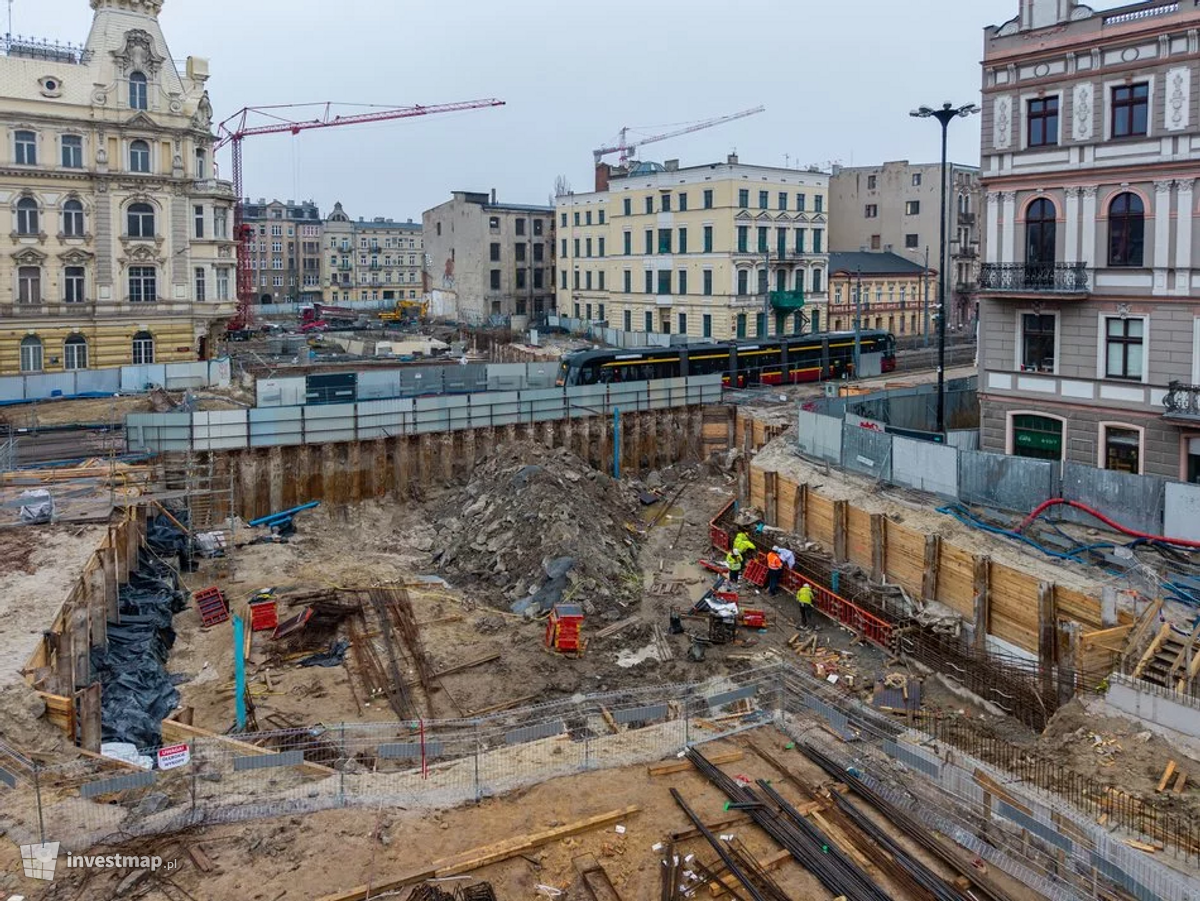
406,311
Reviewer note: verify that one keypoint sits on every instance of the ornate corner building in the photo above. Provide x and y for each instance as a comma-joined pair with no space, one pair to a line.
120,246
1089,323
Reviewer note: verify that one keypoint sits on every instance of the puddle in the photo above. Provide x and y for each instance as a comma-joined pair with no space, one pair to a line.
628,659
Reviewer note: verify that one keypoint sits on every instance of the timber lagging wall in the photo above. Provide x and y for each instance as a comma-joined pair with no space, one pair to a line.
277,478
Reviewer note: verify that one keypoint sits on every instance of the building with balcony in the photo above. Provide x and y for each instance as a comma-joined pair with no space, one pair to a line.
285,250
371,259
1089,326
881,291
120,244
490,261
715,251
895,208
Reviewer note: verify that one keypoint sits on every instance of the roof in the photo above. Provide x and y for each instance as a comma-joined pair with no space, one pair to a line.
873,263
519,207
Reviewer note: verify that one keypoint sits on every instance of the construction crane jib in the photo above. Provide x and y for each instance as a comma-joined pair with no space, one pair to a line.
628,150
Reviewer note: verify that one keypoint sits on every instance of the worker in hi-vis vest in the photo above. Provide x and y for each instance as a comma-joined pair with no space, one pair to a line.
734,561
805,597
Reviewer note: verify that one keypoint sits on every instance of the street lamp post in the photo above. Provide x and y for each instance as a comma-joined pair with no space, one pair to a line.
858,324
947,114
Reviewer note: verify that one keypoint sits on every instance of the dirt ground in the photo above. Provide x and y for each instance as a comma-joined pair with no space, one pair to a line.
109,410
289,858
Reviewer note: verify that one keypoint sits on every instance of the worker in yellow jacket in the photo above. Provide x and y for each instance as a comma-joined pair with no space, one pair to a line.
743,544
805,597
734,561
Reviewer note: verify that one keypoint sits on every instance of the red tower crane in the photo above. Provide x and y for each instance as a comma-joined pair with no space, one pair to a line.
239,126
627,149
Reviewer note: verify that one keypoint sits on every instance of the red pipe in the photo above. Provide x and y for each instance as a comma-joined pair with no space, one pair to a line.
1132,533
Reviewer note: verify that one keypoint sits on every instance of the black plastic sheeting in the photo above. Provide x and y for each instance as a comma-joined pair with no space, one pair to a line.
136,690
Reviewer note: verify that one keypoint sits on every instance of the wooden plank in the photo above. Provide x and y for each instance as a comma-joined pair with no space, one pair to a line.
878,548
1166,776
1189,646
89,713
199,858
983,601
801,512
680,766
768,864
458,668
174,732
734,819
484,856
1047,634
933,562
1163,634
1180,782
840,514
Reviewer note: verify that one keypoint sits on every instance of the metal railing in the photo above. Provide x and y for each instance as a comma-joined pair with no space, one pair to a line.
42,49
1144,13
1038,278
1182,400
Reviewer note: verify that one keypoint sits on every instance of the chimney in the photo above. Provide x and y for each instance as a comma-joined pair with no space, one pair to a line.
732,159
603,171
493,196
671,165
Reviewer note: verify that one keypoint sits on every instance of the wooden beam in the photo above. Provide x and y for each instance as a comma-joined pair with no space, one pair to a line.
933,566
1163,634
734,819
1047,635
800,525
771,497
81,664
458,668
983,601
840,530
878,548
174,732
1189,646
484,856
767,864
680,766
89,718
1166,776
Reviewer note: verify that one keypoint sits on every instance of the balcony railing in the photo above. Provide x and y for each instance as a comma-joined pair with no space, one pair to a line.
1034,278
1182,401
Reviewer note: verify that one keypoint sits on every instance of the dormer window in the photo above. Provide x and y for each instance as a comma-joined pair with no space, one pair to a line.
138,91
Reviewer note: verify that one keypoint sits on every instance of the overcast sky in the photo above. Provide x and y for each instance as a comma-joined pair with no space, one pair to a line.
837,79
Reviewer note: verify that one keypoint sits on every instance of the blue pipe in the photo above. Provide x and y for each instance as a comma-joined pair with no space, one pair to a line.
283,514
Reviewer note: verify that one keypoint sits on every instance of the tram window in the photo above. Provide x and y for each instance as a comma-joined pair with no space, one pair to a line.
587,375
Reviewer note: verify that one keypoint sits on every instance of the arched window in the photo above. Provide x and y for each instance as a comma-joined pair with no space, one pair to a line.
143,349
138,91
75,353
73,225
27,216
139,157
141,220
1040,232
31,354
1126,230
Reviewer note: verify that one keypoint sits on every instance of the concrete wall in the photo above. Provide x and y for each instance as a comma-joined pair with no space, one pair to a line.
1165,708
1181,513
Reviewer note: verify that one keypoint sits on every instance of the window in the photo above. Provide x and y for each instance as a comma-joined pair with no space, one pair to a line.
1042,118
31,354
520,224
743,238
494,280
576,284
198,220
587,247
683,240
876,242
649,321
800,202
27,216
563,279
223,283
1037,342
706,326
819,203
800,239
916,179
140,220
600,246
564,223
494,253
764,199
912,208
29,285
683,323
1122,449
783,200
627,240
201,278
818,242
743,282
143,284
221,223
143,349
1130,110
26,142
649,281
1124,344
600,275
708,199
539,224
664,281
494,222
628,208
575,218
707,282
762,239
139,157
743,198
628,283
521,279
139,95
817,281
912,241
871,211
760,325
564,248
75,353
73,284
649,241
72,152
872,182
649,204
627,318
1039,437
519,253
539,254
600,216
72,217
1041,229
1126,230
683,285
201,164
666,203
682,202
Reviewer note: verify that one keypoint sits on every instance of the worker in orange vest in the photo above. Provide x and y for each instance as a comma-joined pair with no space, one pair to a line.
774,572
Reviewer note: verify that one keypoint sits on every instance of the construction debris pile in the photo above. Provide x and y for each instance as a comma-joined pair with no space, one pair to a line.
538,526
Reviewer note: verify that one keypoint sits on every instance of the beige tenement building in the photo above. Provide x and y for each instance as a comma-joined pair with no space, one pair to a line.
285,250
121,241
699,251
372,259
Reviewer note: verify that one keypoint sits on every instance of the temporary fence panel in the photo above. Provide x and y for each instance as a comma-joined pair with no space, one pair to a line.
137,378
587,400
461,379
538,375
159,432
98,381
544,405
963,439
458,411
324,423
430,415
384,418
276,427
12,387
925,466
287,392
867,452
1005,483
376,384
493,408
182,376
50,384
219,430
1181,516
1135,501
507,376
819,436
627,396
